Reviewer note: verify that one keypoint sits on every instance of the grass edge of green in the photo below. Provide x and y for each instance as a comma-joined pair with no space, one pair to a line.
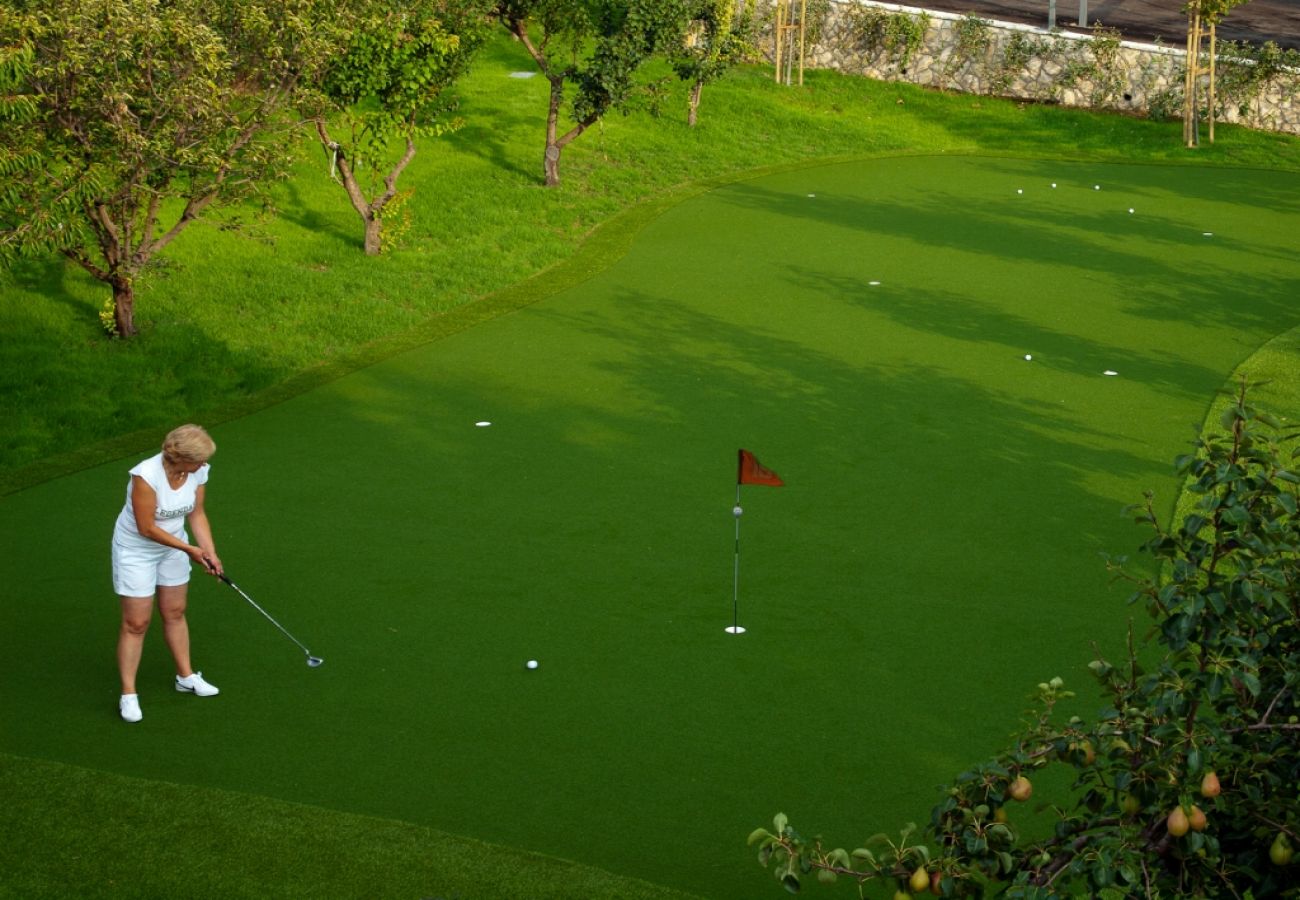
242,821
603,245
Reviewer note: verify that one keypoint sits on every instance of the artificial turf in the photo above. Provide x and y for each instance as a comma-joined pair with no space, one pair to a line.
118,836
935,553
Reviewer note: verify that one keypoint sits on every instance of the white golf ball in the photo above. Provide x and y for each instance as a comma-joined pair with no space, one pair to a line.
532,664
1053,184
1029,356
1020,190
1096,187
1130,209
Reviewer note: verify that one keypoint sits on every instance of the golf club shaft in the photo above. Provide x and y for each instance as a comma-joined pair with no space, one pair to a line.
265,613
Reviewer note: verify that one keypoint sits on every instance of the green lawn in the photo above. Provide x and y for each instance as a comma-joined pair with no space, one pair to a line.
860,324
231,314
69,830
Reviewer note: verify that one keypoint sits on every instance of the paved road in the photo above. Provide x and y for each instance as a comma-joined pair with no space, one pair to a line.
1142,20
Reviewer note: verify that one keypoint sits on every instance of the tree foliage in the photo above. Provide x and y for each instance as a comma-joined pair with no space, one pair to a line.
721,34
1186,783
386,87
129,119
594,47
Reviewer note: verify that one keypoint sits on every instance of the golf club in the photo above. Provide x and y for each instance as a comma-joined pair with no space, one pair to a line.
312,661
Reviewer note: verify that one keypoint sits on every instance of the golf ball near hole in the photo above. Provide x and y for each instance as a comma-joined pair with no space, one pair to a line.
532,664
1029,356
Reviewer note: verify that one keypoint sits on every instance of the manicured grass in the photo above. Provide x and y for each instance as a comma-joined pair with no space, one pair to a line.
934,555
70,831
234,313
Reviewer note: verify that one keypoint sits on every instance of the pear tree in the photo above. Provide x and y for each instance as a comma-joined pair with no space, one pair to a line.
387,86
721,35
1185,783
127,121
593,49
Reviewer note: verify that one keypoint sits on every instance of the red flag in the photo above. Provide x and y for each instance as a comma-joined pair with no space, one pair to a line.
751,471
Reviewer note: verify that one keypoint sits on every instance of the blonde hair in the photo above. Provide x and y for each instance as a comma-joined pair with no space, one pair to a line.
188,443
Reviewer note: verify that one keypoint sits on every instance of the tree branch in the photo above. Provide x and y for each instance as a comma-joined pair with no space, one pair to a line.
390,181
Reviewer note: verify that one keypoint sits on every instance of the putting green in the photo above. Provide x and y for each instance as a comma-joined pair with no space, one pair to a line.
934,554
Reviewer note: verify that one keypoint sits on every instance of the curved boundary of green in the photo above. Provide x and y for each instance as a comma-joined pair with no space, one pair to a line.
1275,369
70,830
604,244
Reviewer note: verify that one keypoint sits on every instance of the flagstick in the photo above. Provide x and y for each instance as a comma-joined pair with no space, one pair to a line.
734,627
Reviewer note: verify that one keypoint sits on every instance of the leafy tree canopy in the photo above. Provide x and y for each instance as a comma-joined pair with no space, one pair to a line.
387,86
722,33
594,46
129,119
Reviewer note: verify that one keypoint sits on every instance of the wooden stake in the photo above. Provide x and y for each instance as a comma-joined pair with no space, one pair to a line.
803,16
778,34
1191,128
1213,30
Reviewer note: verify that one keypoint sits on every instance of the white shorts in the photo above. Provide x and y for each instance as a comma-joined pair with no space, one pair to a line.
140,571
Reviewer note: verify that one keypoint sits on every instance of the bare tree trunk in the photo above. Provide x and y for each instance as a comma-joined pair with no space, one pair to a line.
370,211
693,113
374,236
551,159
124,306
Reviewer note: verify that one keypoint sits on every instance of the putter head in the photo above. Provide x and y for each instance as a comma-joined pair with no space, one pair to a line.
314,661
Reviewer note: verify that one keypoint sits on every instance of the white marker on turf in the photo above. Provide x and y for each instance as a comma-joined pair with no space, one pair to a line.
482,424
1110,372
874,283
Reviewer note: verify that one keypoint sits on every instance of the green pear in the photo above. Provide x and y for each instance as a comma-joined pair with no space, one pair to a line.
1281,852
1178,823
919,881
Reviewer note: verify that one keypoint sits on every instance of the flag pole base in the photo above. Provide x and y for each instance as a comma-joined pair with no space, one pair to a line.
734,629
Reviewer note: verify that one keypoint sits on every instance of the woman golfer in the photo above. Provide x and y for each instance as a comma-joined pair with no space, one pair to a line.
152,555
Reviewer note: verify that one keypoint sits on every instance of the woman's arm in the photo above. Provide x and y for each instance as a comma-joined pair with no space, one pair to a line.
144,501
198,519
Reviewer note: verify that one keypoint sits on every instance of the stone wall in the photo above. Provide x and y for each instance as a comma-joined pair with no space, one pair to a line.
980,56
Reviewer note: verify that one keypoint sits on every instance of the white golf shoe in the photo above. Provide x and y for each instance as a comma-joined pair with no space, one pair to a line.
194,684
129,707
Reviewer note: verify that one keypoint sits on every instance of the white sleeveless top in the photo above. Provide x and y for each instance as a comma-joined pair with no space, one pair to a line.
172,506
